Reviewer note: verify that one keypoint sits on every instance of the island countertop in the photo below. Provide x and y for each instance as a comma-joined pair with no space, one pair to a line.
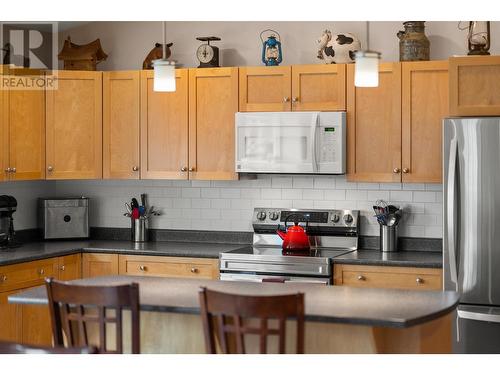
328,304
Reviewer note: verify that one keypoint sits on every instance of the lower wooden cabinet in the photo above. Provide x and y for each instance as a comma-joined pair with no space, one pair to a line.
10,327
142,265
70,267
94,265
388,277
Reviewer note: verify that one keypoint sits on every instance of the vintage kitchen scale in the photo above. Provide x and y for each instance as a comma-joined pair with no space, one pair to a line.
208,55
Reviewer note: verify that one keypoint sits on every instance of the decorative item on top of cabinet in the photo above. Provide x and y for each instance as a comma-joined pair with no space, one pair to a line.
121,120
474,88
23,123
208,55
213,102
374,130
413,43
164,128
155,54
74,126
338,48
478,37
82,57
272,54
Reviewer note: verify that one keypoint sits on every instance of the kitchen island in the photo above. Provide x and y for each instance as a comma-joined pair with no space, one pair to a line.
338,319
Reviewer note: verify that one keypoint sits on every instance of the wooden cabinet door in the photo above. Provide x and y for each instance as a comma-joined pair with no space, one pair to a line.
74,126
4,141
164,128
213,102
265,88
36,325
424,105
474,89
374,127
94,265
319,87
120,137
70,267
10,324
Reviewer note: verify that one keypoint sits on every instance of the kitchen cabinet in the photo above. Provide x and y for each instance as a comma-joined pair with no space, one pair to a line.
142,265
164,128
388,277
74,126
121,119
424,105
70,267
23,138
10,326
213,102
293,88
94,265
374,127
474,89
4,142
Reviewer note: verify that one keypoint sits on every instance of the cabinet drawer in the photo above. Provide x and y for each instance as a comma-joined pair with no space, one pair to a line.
25,275
388,277
168,266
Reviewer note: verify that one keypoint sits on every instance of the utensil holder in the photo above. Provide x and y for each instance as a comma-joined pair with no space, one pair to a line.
139,230
388,238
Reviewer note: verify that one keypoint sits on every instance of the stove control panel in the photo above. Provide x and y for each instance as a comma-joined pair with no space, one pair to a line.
263,217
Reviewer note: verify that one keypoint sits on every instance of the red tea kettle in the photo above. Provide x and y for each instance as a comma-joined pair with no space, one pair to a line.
295,238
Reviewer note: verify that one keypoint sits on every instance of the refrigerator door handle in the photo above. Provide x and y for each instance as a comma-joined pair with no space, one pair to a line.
452,164
478,315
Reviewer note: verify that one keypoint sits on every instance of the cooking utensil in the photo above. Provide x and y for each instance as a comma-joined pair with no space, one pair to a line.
143,200
128,208
134,203
135,213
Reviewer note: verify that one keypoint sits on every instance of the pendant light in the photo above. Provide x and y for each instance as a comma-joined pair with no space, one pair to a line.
366,65
164,70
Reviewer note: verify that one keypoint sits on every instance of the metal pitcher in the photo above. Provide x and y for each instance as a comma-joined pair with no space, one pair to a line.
413,43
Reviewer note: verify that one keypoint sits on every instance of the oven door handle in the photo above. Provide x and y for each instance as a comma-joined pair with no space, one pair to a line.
276,279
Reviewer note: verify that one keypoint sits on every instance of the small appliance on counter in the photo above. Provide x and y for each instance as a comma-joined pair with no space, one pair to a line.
139,218
63,218
8,205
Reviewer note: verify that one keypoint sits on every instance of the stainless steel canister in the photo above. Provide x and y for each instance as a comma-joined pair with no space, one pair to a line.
388,238
139,230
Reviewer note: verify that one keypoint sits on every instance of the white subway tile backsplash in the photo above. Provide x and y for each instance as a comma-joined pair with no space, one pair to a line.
368,186
303,182
200,203
190,192
407,186
390,186
401,196
229,193
281,182
375,195
220,203
271,193
291,193
424,196
334,195
356,195
210,193
314,194
324,183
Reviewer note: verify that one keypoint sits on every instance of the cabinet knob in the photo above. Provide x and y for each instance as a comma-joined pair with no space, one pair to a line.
63,268
8,170
419,280
3,278
184,169
361,278
50,168
406,170
286,99
13,169
143,268
192,169
41,271
194,270
396,170
295,99
135,168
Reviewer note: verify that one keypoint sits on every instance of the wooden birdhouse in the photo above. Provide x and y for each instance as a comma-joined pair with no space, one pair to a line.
81,57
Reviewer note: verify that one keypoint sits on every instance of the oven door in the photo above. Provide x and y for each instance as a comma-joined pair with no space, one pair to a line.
276,142
273,279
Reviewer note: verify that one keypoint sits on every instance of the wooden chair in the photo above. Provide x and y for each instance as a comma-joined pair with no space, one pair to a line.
72,309
222,314
15,348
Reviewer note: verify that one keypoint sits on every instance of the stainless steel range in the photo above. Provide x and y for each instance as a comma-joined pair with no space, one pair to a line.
331,233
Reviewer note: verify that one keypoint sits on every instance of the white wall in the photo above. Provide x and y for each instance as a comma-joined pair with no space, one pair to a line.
128,43
228,205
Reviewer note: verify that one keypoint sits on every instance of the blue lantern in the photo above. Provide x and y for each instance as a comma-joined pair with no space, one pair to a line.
271,49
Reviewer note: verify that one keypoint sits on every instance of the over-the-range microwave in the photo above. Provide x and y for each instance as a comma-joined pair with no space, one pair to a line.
291,142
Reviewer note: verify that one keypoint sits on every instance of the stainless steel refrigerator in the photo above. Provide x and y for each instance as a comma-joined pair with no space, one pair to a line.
471,229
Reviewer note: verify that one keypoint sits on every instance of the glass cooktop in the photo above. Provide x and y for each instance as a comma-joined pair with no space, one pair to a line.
276,251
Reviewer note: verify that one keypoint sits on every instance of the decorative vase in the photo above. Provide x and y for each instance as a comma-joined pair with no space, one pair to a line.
413,43
337,48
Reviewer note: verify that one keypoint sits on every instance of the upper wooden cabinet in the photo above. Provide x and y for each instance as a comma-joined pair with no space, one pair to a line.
374,127
474,88
213,102
23,138
424,105
120,112
74,126
4,143
164,128
293,88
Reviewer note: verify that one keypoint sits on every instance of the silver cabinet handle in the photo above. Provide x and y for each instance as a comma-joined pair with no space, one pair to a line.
406,170
361,278
295,99
8,170
135,168
13,169
3,278
41,271
184,169
194,270
63,268
192,169
419,280
396,170
286,99
50,168
143,268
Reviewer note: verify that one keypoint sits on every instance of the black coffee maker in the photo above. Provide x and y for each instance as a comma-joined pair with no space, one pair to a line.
8,205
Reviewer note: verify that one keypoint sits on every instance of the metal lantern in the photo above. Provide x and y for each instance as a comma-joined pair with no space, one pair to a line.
478,38
271,48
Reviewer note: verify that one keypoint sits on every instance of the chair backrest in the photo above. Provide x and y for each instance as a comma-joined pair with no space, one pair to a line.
223,315
15,348
73,308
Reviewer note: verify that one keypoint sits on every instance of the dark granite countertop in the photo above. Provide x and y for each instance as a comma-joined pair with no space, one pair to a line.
424,259
332,304
47,249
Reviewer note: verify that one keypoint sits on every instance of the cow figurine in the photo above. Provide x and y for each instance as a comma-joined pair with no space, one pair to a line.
337,48
155,54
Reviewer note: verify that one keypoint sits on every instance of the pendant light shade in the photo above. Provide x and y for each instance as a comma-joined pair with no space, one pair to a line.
164,70
366,69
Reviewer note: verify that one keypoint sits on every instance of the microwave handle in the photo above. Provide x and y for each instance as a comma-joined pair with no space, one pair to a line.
313,143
